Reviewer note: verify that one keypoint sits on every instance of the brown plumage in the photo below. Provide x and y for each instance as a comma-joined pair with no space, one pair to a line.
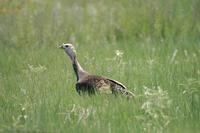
91,84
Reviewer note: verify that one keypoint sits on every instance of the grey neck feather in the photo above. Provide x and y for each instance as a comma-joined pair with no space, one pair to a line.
80,73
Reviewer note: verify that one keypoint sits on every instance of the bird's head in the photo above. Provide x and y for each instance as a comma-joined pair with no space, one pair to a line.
70,50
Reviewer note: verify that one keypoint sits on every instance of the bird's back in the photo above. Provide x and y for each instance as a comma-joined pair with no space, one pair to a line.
99,84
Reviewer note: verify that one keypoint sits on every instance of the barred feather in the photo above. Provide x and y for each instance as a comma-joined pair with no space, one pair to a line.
93,84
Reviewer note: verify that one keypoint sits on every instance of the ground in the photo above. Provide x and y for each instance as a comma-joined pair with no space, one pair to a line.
152,47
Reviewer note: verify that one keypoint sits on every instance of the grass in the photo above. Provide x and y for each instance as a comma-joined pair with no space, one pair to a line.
160,62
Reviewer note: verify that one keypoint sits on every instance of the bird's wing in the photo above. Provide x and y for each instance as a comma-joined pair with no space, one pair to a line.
102,85
119,87
116,82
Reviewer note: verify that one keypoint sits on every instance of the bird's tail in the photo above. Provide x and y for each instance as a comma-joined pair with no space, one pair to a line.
120,88
127,93
124,92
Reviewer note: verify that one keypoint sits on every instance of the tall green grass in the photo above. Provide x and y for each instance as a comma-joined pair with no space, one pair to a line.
159,60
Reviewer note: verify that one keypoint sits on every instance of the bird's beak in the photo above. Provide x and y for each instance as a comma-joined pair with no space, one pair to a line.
61,46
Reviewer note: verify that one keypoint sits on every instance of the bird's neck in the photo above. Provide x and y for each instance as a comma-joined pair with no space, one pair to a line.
78,69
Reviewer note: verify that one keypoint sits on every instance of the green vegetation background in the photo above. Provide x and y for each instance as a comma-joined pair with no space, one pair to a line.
151,46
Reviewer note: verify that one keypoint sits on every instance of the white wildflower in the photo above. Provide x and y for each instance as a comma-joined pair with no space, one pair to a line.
119,53
155,105
36,69
78,114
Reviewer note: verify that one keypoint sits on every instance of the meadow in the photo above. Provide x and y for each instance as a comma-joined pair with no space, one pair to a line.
152,47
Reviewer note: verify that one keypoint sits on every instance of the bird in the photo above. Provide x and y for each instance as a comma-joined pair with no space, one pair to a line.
91,84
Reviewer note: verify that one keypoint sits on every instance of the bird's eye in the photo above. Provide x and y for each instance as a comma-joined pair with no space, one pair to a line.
66,46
